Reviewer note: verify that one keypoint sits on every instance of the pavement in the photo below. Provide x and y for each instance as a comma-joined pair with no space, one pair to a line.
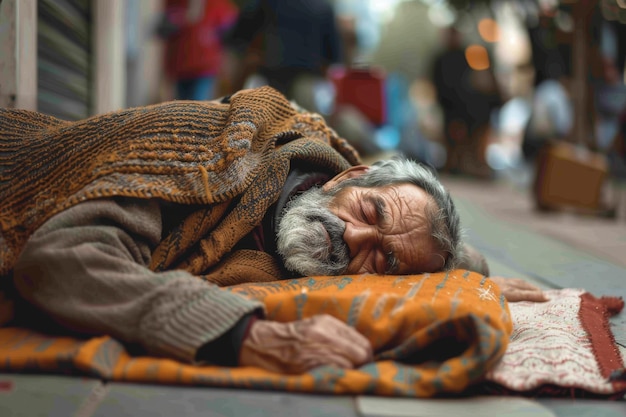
554,250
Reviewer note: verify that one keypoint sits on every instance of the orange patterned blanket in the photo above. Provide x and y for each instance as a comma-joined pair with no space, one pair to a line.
432,334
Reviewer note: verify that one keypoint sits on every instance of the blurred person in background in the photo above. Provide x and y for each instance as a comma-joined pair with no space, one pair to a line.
193,30
298,41
607,79
552,111
466,108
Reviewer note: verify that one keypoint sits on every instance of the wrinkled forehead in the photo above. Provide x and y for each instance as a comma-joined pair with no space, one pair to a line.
411,200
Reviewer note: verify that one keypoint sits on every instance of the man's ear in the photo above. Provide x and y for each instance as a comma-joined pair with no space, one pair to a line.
351,172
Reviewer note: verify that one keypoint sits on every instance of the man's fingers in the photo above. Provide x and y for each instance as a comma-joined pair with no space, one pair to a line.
523,285
525,295
516,289
296,347
323,355
342,337
357,350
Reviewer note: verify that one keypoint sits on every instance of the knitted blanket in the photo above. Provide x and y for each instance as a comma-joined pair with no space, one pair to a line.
206,153
432,334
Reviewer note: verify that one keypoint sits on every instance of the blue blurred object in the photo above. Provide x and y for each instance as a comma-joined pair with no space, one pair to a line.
610,103
387,137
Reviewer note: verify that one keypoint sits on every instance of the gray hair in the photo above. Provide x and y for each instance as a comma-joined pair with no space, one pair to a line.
443,219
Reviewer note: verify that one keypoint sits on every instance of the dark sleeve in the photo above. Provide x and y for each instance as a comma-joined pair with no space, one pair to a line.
224,350
332,52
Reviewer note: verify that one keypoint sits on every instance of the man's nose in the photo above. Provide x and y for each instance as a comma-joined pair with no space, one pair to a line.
359,238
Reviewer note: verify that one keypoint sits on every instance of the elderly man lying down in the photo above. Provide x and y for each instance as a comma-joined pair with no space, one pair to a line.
108,223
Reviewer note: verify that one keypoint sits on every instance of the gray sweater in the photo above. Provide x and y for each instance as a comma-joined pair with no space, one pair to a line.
87,267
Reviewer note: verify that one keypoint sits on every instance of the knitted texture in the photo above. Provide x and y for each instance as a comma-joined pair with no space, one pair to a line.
230,158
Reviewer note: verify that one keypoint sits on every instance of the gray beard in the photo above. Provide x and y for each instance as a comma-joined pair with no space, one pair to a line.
304,232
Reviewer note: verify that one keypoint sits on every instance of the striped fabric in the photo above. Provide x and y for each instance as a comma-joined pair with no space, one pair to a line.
564,347
432,334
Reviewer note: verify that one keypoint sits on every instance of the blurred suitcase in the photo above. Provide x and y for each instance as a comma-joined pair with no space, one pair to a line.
570,176
363,88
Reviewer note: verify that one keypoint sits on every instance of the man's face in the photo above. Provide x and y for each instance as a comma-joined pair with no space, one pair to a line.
387,230
359,230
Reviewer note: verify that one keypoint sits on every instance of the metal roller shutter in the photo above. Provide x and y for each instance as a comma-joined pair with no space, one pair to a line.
64,58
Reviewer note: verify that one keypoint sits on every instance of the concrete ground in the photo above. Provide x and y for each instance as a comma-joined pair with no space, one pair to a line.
553,250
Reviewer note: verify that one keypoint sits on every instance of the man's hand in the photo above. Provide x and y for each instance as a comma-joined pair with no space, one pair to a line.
299,346
516,289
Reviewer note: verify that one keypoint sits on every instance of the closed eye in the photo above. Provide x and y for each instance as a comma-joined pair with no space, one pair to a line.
380,207
392,263
382,217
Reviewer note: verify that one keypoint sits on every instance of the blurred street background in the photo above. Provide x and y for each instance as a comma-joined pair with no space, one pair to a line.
520,105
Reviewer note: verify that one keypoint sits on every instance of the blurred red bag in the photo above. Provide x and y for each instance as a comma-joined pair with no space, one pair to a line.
363,88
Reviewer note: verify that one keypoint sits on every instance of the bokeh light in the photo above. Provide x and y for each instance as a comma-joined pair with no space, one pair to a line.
489,30
477,57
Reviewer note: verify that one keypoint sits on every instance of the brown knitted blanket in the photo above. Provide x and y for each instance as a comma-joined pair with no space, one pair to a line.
230,159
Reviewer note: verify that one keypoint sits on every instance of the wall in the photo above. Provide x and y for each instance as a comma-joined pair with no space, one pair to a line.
18,49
